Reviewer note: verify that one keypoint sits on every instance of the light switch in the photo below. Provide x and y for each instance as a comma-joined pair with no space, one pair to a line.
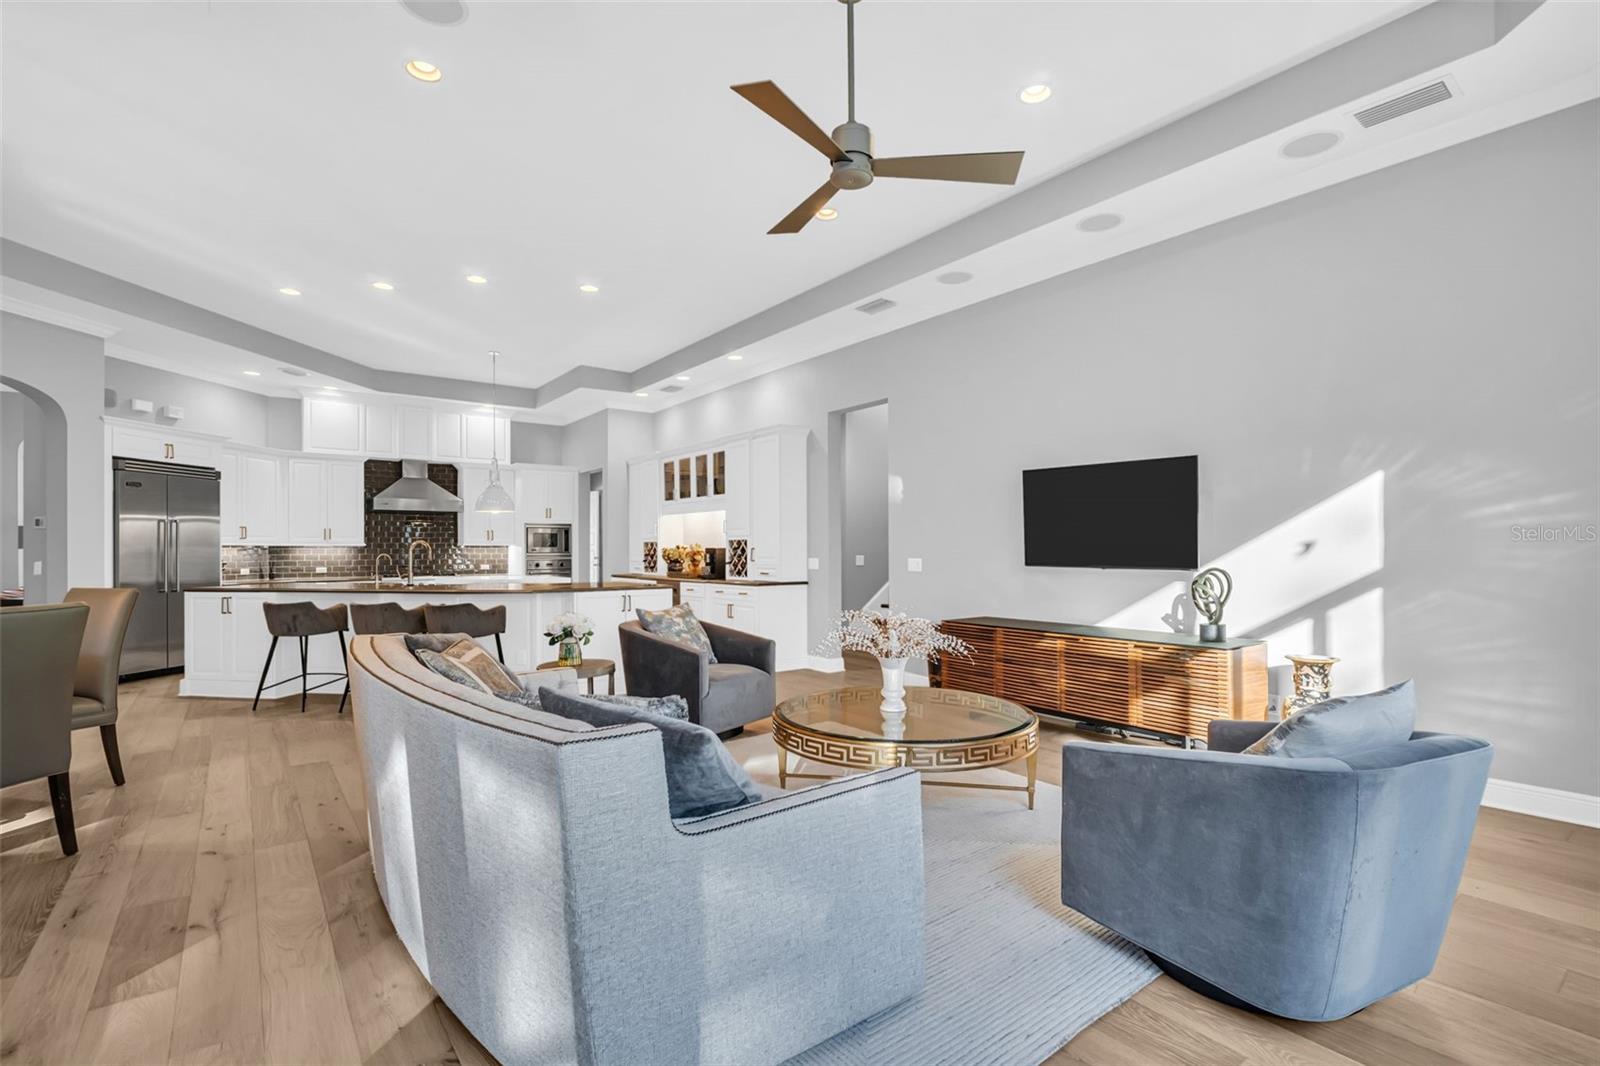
861,560
813,563
914,565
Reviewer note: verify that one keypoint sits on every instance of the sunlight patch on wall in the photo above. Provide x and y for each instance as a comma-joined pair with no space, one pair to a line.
1353,631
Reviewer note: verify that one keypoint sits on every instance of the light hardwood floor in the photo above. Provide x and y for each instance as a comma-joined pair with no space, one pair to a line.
221,908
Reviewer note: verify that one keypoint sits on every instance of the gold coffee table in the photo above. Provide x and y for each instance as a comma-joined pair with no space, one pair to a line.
945,730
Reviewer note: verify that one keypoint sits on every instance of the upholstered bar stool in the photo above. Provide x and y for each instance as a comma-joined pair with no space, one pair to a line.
468,619
304,621
370,619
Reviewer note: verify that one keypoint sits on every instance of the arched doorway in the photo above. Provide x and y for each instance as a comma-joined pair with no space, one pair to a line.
34,474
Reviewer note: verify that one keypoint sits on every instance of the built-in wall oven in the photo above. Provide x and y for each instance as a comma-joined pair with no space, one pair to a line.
548,550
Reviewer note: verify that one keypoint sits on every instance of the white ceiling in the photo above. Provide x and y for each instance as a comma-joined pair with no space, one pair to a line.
214,152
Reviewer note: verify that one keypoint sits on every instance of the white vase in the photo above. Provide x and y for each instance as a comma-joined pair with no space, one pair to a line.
894,688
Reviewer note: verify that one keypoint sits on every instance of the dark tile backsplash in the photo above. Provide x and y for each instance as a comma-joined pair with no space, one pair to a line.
386,531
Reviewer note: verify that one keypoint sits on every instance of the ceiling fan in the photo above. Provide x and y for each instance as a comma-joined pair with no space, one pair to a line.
850,147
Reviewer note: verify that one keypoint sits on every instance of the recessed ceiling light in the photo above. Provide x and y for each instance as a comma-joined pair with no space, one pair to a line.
588,288
477,279
383,286
329,388
1034,94
287,291
423,70
486,409
1310,144
683,377
954,277
827,214
735,357
642,395
1100,223
252,373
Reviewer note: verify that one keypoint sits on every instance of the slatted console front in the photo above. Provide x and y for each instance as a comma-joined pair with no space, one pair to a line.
1170,684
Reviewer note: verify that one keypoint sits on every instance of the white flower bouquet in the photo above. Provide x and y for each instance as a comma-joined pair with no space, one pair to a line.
570,627
890,635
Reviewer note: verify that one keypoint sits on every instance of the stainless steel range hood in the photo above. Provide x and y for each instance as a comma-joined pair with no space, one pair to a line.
414,492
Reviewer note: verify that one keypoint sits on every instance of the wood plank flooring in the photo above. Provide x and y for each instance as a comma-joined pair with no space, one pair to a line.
221,909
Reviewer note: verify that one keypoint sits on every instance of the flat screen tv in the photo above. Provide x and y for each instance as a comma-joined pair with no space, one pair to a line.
1141,515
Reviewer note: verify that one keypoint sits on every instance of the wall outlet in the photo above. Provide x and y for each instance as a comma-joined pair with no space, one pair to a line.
321,570
38,568
861,560
244,571
914,565
483,566
813,563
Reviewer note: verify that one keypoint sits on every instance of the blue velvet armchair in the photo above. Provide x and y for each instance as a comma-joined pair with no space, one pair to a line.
1307,888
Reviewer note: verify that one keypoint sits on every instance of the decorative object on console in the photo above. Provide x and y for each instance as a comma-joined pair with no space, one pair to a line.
571,631
1210,590
1313,681
674,557
892,638
690,559
738,558
650,556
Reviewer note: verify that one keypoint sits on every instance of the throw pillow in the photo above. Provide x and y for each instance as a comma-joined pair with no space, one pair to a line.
679,624
702,778
666,706
1344,725
465,662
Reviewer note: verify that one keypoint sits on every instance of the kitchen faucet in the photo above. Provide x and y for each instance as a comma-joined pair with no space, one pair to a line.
377,567
411,557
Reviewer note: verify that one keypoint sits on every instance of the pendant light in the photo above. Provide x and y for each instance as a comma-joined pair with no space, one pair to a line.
494,499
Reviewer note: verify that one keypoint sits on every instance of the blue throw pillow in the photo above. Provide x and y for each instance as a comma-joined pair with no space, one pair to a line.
702,778
1344,725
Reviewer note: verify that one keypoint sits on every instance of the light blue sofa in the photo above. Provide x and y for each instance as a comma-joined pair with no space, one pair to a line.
1307,888
531,869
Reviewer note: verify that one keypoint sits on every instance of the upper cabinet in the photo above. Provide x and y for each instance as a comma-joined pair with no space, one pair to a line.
694,482
546,496
475,527
324,502
161,445
413,432
252,502
333,426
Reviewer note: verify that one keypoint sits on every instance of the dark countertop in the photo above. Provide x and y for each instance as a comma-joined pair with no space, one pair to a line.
1146,636
677,579
510,586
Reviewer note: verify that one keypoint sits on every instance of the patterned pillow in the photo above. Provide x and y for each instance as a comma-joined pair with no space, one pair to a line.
679,624
465,662
666,706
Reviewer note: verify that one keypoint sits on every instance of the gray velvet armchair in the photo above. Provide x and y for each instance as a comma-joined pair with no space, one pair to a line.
1304,887
739,688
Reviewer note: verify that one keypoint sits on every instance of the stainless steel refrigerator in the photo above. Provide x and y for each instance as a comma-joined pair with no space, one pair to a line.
167,538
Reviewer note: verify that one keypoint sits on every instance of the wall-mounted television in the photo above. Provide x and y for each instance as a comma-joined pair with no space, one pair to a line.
1140,515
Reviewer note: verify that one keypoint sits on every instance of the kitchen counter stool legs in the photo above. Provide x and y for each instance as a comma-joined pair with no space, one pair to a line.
304,621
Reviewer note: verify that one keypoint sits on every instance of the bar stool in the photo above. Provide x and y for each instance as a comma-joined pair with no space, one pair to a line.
468,619
371,618
304,621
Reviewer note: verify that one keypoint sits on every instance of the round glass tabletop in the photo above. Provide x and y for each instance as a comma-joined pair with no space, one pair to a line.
933,715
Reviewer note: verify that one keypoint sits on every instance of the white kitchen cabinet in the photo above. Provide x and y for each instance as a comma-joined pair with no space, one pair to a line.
698,598
226,643
485,437
545,495
448,439
380,433
529,493
252,502
561,496
608,610
736,502
331,426
162,445
766,523
414,431
207,642
230,522
474,526
324,502
644,495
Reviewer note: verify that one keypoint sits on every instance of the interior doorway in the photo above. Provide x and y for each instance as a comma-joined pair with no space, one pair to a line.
592,537
864,507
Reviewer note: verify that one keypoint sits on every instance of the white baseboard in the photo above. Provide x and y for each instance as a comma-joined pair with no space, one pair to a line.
1543,802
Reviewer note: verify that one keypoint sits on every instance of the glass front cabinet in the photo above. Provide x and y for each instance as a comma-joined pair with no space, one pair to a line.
691,479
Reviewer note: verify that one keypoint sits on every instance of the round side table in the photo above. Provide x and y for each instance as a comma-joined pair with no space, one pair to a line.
588,670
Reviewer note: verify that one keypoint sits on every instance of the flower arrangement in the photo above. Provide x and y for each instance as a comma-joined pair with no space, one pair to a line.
571,631
890,635
685,557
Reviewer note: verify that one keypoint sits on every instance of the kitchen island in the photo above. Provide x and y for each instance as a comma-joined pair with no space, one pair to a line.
228,639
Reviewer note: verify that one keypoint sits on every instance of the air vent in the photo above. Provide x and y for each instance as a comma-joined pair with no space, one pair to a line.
670,388
874,307
1415,100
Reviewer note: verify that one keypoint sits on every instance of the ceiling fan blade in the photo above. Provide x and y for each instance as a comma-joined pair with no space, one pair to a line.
994,168
796,220
769,98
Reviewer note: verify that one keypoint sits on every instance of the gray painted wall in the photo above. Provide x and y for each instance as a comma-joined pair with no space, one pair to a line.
208,407
65,372
865,503
1416,351
534,443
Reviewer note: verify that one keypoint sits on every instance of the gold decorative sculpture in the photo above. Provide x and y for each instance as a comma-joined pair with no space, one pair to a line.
1313,681
1210,590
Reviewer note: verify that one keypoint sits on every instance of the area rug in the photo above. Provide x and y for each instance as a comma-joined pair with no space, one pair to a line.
1012,975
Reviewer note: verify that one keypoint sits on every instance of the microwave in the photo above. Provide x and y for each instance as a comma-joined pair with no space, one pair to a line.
547,540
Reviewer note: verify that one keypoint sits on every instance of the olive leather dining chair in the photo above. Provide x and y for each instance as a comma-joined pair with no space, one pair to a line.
39,647
94,688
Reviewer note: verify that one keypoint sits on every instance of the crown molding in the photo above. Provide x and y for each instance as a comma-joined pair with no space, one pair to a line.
64,319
